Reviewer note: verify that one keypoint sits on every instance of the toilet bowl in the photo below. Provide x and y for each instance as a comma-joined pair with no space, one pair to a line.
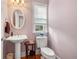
48,53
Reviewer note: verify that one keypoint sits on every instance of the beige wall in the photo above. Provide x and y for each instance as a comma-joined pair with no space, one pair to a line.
3,15
63,28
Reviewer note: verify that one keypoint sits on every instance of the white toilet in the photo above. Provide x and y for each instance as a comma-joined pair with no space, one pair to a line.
46,52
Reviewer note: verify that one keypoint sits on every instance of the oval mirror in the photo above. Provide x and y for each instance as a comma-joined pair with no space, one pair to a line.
18,19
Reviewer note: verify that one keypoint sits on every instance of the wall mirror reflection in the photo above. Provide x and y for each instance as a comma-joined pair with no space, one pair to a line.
18,19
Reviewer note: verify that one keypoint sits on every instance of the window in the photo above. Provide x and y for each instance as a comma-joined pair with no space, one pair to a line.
39,28
40,12
40,18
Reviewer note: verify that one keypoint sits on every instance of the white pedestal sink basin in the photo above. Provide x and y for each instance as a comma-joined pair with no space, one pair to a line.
17,39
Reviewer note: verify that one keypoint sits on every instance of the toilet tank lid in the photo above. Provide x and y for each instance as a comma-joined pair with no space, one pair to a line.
47,51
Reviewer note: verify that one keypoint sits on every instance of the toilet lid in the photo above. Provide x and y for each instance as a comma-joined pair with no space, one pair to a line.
47,51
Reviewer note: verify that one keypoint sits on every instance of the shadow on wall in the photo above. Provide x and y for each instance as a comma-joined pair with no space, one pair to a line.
8,47
63,45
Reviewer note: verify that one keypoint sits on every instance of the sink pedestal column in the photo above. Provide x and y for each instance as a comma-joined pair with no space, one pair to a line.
17,50
17,39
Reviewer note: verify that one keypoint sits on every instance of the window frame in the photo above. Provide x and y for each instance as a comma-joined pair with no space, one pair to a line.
39,4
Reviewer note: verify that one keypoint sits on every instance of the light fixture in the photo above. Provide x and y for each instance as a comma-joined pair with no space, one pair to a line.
18,1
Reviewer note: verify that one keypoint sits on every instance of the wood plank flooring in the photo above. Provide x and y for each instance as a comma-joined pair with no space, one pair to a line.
32,57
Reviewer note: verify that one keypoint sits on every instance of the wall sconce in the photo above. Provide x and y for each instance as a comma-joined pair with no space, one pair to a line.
18,1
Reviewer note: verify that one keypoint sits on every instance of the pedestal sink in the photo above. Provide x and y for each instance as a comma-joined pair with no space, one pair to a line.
17,39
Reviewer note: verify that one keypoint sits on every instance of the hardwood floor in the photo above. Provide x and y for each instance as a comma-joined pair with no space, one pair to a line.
32,57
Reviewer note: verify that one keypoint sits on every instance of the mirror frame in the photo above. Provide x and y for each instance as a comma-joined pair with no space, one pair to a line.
12,19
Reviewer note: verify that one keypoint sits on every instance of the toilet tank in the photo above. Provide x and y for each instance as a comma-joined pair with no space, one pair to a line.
41,42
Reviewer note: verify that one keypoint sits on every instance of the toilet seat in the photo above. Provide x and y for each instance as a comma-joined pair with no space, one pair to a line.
47,51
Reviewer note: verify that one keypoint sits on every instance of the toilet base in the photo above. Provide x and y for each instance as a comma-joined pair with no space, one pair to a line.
48,57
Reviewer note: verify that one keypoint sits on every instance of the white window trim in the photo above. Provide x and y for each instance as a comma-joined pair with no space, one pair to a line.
40,4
